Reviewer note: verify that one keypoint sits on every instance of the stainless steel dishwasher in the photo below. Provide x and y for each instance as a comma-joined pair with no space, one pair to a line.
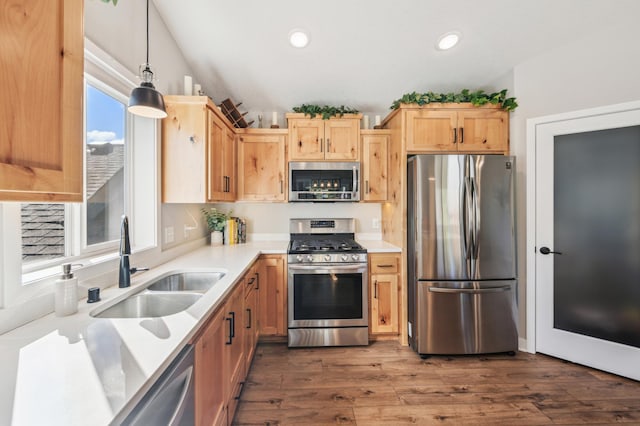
170,401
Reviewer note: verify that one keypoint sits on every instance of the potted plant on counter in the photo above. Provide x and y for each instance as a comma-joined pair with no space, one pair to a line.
216,221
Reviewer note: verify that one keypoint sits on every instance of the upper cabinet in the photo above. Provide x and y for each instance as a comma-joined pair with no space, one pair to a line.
198,152
375,159
261,165
457,128
337,138
41,77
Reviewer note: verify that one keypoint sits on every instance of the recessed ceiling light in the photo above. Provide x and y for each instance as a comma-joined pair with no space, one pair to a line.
448,40
298,38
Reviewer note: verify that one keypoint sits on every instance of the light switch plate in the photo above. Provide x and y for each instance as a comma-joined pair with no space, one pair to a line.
168,234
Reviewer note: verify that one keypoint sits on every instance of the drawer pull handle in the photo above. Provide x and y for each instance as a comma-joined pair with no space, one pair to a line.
386,265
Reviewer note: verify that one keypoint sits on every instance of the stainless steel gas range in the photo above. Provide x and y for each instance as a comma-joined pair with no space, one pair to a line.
327,284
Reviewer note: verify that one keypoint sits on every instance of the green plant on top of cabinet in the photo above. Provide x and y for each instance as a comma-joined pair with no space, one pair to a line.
41,143
261,165
337,138
198,152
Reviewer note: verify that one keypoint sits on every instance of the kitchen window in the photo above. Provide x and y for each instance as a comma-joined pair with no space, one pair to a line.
121,160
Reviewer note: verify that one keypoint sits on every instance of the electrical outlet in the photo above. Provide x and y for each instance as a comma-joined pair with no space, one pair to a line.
168,234
186,231
375,224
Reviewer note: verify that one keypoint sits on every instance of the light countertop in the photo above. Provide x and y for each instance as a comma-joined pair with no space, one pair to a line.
79,370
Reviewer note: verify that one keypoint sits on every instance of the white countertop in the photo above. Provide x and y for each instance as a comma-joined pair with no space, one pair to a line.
80,370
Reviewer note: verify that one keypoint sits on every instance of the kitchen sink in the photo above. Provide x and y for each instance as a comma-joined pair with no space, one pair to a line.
187,281
150,305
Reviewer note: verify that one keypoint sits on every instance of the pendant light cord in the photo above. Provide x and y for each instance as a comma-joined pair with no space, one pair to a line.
147,32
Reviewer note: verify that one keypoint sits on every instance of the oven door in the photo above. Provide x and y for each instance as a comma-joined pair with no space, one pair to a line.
327,295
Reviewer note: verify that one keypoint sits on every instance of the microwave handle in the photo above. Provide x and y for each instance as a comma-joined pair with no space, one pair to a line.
355,181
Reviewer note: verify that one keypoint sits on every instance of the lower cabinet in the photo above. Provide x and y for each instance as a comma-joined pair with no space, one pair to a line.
224,350
383,292
273,296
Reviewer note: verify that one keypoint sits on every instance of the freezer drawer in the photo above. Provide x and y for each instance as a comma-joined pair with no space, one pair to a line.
465,317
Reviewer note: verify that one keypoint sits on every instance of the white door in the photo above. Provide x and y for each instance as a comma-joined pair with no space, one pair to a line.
587,211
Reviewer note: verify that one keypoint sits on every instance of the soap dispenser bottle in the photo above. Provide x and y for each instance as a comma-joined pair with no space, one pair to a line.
66,292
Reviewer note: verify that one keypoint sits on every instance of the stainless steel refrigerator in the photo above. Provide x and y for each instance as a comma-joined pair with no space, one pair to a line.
461,254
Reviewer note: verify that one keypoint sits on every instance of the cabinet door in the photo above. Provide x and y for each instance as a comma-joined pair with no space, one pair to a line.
306,139
211,373
375,152
483,131
431,131
41,67
229,165
234,308
261,167
273,296
216,180
342,139
384,303
250,320
185,142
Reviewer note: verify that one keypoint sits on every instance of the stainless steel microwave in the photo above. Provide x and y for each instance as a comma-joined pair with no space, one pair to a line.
323,181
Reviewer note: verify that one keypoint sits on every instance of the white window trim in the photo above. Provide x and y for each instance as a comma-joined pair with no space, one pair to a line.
18,287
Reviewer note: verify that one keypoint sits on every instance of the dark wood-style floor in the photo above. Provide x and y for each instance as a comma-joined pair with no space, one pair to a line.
388,384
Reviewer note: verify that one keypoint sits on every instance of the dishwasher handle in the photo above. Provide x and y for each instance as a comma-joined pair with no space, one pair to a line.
470,290
182,402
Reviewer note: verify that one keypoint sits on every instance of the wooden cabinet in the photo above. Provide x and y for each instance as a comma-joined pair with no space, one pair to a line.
198,152
453,128
41,69
375,159
262,165
273,296
337,138
251,303
211,372
234,313
383,292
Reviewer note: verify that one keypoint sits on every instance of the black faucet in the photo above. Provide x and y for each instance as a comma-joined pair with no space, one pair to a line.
124,276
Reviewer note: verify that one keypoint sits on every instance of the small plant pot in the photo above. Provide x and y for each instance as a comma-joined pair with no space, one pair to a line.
216,238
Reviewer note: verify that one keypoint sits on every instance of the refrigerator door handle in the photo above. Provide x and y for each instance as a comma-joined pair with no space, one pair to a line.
475,218
467,224
469,290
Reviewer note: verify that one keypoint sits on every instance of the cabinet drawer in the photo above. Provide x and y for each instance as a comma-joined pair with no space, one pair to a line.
385,264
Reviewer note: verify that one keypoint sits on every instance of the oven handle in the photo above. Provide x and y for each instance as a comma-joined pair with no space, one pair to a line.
329,268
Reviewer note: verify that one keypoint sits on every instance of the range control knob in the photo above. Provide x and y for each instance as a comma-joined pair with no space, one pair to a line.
344,257
309,258
355,257
327,257
299,258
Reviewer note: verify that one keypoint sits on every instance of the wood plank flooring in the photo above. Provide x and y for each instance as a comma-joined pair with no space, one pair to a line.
388,384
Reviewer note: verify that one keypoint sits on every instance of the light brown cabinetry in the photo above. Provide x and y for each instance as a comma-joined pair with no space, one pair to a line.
451,128
261,165
375,159
211,372
198,152
234,313
337,138
383,292
251,304
273,296
41,77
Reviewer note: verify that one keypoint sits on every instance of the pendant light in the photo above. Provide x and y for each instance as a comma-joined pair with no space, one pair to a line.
145,100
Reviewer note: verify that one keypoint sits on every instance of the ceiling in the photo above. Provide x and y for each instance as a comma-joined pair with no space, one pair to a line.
365,54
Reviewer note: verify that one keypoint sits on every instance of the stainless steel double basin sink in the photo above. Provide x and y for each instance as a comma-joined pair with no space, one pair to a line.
165,295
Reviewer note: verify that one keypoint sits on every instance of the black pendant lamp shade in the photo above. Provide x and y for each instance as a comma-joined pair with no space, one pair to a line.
145,100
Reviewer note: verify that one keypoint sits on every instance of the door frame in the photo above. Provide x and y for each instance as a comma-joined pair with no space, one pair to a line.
532,140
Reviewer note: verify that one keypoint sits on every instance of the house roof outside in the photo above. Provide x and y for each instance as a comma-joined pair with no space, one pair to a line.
43,234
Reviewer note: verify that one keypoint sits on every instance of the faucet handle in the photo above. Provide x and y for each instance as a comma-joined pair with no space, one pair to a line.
139,269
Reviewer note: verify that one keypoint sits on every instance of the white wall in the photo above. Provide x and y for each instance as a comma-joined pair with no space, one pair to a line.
589,73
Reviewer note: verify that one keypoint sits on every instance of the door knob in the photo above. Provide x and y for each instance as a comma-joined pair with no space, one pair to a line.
546,250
